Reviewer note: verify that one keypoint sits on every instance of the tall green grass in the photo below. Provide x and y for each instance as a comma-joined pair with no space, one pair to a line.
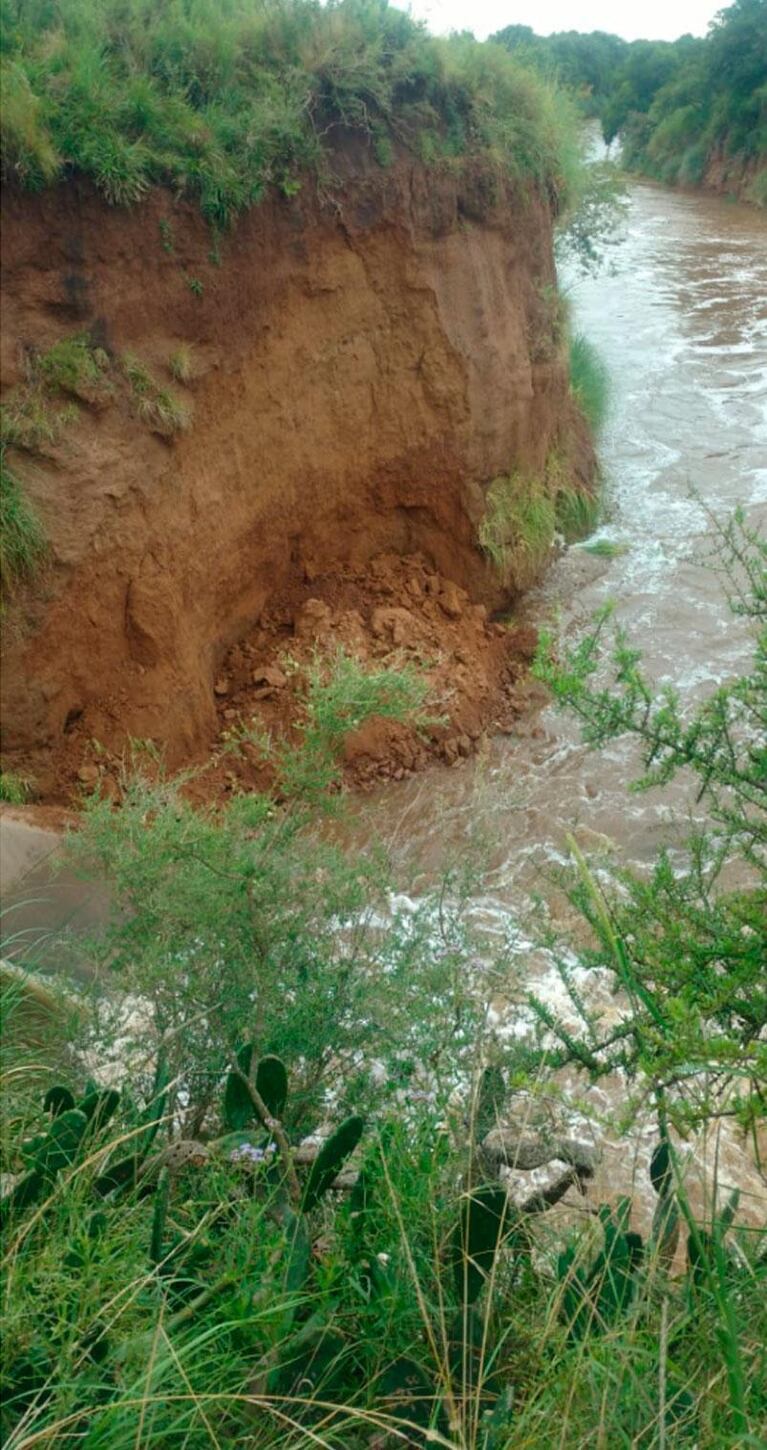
589,381
22,538
517,530
221,99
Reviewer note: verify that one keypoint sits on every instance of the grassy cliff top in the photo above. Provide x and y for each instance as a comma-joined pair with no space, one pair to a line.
219,99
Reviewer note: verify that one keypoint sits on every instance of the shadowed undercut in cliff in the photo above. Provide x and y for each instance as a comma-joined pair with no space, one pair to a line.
340,379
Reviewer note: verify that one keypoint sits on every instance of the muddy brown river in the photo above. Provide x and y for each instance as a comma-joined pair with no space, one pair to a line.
681,322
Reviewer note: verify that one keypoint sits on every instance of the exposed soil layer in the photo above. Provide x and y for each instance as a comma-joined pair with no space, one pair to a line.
363,364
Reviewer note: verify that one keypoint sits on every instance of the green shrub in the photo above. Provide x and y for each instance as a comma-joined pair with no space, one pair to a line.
589,381
685,947
22,538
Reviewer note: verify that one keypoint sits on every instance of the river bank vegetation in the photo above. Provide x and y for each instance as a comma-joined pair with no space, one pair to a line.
184,1266
221,100
687,112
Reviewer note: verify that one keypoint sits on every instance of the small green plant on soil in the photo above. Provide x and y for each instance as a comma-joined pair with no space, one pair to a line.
166,235
14,789
22,538
29,420
75,366
32,412
589,382
156,407
181,363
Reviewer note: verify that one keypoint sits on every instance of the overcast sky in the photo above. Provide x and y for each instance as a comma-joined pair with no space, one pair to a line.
633,19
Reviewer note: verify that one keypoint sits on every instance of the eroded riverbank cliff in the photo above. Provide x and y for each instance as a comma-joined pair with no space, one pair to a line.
353,370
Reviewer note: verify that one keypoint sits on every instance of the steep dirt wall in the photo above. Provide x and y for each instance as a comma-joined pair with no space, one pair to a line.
364,364
734,175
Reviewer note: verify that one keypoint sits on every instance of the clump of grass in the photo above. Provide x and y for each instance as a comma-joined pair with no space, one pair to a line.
159,409
589,381
14,789
22,539
577,512
517,531
74,366
181,363
28,419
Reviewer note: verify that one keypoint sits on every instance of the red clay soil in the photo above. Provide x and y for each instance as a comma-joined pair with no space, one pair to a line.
363,366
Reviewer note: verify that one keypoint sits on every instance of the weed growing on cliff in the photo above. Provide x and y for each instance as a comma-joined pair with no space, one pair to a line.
181,363
221,101
31,414
22,538
517,531
14,788
589,381
75,366
159,409
29,420
577,512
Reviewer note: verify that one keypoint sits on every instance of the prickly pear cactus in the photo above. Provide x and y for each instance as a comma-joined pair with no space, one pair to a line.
238,1105
330,1160
483,1223
272,1084
58,1099
99,1107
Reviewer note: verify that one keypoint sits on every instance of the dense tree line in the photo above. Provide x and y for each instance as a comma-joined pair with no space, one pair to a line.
679,106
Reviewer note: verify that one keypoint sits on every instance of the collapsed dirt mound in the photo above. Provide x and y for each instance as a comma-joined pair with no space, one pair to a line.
397,613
